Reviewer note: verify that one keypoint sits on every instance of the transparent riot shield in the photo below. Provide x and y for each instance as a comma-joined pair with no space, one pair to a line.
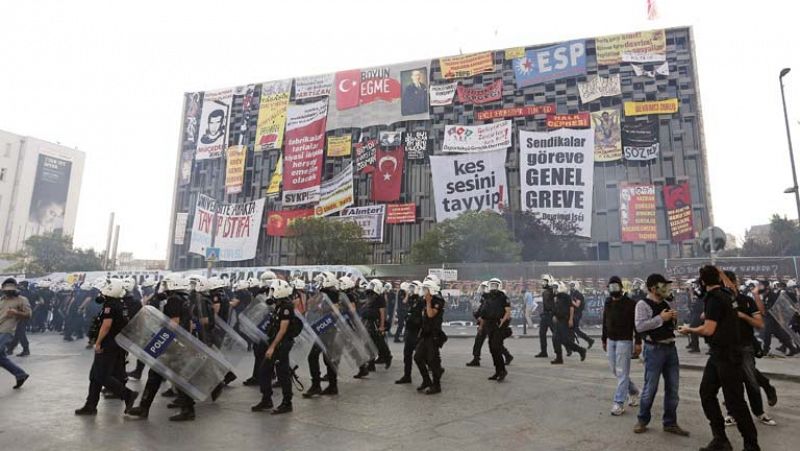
298,358
254,320
785,312
332,332
227,341
369,351
173,353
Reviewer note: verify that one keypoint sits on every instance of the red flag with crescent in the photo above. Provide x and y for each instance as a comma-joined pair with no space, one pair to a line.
348,86
388,174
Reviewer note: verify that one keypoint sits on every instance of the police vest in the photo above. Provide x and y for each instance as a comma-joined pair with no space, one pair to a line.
548,300
663,332
494,307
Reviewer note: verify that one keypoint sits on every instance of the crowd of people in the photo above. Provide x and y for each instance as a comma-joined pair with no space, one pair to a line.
346,317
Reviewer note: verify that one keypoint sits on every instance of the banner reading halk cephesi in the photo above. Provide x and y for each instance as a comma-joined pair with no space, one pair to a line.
272,114
238,227
550,63
477,138
637,212
471,182
638,47
214,120
577,120
303,153
607,135
466,65
556,176
336,194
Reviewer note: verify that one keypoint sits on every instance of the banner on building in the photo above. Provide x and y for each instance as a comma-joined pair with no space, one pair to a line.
661,69
272,114
515,52
401,213
49,198
607,135
390,139
339,146
637,212
336,194
550,63
214,124
238,132
234,169
638,47
441,95
417,144
303,152
238,227
370,218
481,95
379,95
557,176
668,106
277,178
678,203
477,138
596,87
180,228
578,120
445,275
313,86
365,155
640,140
388,175
185,169
192,118
279,222
472,182
504,113
463,66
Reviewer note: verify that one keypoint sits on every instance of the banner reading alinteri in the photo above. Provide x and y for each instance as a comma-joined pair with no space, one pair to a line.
466,65
668,106
238,227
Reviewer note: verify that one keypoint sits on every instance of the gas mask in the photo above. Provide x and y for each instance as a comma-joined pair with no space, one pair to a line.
615,289
10,292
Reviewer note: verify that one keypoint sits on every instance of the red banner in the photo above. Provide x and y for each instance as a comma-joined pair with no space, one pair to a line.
401,213
637,212
579,120
347,85
678,203
278,221
388,174
303,152
530,110
481,95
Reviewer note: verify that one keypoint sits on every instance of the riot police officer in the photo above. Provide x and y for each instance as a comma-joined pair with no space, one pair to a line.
565,316
414,306
261,294
374,316
327,283
431,339
495,319
548,310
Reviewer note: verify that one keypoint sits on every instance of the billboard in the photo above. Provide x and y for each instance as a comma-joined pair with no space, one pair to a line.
49,198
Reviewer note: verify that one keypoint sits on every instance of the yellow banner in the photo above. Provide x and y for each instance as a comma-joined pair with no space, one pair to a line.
466,65
272,115
669,106
639,47
516,52
339,146
234,171
277,177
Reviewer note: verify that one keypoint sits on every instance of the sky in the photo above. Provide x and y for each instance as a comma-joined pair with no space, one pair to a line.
108,78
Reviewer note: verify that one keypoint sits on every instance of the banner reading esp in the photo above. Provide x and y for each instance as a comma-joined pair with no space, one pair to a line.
272,114
466,65
557,176
471,182
550,63
607,135
678,203
238,227
637,212
302,163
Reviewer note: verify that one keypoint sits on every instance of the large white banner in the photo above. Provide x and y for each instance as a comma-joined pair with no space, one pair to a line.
312,86
597,86
441,95
556,171
238,227
214,120
473,182
370,218
180,228
336,194
477,138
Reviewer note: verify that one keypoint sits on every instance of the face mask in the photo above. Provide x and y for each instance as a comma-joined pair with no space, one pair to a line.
663,290
615,289
10,292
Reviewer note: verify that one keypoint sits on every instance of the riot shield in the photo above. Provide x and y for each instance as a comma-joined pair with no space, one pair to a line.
785,312
227,341
369,351
173,353
332,332
254,321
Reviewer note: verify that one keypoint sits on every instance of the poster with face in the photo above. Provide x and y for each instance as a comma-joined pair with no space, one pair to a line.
415,91
49,198
214,124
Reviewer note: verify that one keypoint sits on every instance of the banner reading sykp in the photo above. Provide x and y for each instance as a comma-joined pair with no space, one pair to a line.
237,225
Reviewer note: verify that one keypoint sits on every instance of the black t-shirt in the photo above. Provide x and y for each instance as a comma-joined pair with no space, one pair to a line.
414,315
563,303
112,309
548,301
373,306
720,307
494,308
245,298
432,326
177,306
577,295
219,297
746,305
284,311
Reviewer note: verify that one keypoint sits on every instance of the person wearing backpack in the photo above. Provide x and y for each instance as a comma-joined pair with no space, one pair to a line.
495,315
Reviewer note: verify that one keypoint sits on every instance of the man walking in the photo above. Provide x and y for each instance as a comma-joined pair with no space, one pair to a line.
618,338
13,308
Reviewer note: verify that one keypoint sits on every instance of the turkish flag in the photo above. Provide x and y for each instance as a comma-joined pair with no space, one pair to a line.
388,174
279,221
386,89
347,89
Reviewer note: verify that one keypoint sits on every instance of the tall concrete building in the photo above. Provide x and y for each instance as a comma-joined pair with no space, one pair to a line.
656,98
40,184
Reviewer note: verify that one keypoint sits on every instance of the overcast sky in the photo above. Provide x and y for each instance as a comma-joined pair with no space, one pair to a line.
108,77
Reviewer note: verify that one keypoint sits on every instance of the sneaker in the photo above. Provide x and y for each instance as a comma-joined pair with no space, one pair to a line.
729,421
639,428
617,409
633,400
766,419
677,430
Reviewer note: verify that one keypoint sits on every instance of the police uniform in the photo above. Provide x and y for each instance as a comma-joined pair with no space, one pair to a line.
546,323
402,311
576,321
431,338
482,335
372,319
413,323
491,313
313,361
563,304
279,362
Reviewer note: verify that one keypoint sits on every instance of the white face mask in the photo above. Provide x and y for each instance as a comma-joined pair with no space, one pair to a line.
614,288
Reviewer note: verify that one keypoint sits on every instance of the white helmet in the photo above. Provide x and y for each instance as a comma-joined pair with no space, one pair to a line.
637,284
575,285
346,283
128,284
387,287
280,289
431,286
174,282
86,286
266,278
548,280
197,282
416,287
113,289
404,286
44,283
495,284
253,282
562,287
434,278
363,284
242,284
326,279
215,283
791,284
375,285
148,282
99,282
298,284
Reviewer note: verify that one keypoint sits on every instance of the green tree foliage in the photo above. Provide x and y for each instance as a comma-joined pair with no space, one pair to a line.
473,237
320,241
545,240
51,252
784,240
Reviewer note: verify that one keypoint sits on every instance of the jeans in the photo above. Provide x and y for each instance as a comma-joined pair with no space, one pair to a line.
660,360
9,366
619,359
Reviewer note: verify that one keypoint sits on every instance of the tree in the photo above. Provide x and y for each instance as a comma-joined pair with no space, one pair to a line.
53,252
544,240
783,240
321,241
474,237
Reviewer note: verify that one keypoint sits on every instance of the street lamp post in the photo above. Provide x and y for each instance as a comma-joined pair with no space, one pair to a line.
789,139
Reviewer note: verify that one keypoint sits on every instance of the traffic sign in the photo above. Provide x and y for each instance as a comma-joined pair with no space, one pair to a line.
212,254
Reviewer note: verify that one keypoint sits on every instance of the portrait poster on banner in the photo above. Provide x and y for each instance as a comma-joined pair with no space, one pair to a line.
370,218
313,86
640,140
678,203
477,138
596,87
274,187
303,152
390,139
49,198
336,194
417,144
339,146
442,94
379,95
557,176
550,63
272,114
180,228
192,121
214,120
668,106
480,95
503,113
577,120
466,65
388,175
234,169
240,123
607,135
469,182
401,213
185,170
365,155
638,47
279,222
238,227
637,212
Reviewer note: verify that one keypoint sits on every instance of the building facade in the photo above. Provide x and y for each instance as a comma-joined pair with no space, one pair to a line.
40,184
681,159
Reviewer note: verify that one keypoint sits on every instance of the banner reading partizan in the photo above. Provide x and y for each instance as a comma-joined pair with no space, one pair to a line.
238,227
370,218
638,47
302,162
557,176
336,194
597,87
678,203
637,212
234,170
607,135
272,114
313,86
214,124
477,138
466,65
471,182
